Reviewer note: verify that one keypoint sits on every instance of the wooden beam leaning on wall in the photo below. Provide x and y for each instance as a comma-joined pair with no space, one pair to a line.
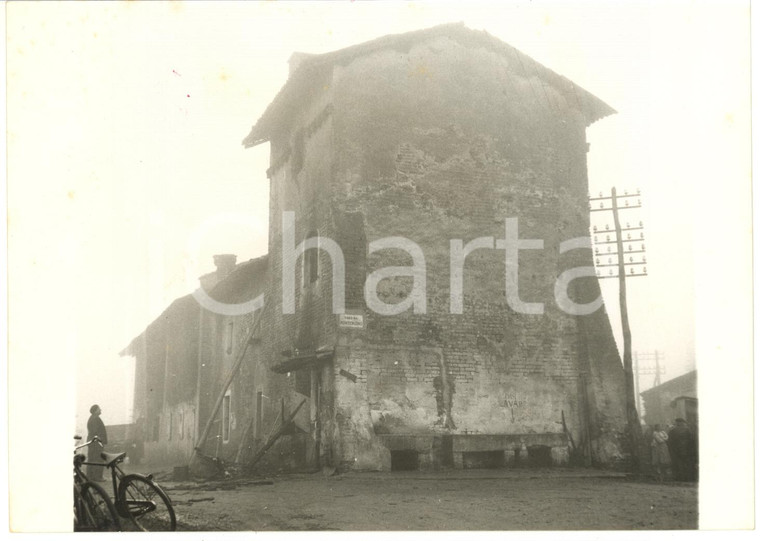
284,427
227,382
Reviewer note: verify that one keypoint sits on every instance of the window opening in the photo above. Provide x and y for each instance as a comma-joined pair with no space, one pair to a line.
311,261
226,417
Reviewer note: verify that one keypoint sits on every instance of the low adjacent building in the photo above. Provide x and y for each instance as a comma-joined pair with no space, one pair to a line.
675,398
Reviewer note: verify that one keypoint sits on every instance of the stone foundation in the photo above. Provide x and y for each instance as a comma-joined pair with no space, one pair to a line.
463,451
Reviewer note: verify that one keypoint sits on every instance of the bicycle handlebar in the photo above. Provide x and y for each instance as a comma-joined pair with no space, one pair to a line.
93,440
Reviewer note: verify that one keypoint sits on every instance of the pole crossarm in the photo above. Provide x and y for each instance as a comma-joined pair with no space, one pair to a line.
631,263
605,230
637,206
623,240
606,254
602,277
609,197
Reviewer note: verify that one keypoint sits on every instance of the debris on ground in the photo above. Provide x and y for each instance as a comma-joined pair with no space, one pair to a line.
219,485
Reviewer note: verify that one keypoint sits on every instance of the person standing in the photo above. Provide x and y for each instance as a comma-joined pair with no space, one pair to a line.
682,451
95,427
660,453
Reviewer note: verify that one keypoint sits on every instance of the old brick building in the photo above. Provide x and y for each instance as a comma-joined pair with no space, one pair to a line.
435,136
179,363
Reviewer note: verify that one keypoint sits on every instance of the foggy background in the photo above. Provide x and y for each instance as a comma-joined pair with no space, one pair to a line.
125,123
142,149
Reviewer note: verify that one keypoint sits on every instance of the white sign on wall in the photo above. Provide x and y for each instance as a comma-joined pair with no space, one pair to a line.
351,321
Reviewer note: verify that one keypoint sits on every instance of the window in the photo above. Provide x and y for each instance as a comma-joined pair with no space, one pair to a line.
259,406
182,425
226,417
296,159
228,338
171,420
311,262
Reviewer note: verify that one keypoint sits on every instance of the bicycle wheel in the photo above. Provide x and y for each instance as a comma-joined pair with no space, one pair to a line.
146,504
96,512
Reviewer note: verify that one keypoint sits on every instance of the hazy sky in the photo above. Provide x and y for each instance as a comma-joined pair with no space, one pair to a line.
125,123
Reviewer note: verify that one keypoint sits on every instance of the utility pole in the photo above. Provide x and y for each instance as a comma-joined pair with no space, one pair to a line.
634,428
647,363
637,388
657,368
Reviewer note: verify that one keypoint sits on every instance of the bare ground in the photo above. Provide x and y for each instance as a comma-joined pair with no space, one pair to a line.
453,500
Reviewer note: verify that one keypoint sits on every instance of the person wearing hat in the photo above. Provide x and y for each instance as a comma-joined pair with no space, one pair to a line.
95,427
682,446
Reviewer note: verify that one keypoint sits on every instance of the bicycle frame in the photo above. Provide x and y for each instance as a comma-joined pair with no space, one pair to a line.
81,510
115,478
79,480
130,507
79,476
117,474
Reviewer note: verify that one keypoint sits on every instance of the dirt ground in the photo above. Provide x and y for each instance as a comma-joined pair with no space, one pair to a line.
554,499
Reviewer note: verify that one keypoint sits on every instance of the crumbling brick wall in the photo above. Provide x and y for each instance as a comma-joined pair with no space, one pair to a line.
438,139
446,142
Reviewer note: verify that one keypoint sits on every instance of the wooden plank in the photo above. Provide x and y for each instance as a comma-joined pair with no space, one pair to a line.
227,382
283,428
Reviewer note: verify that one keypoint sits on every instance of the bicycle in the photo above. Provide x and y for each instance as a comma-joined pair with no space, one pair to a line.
138,497
93,508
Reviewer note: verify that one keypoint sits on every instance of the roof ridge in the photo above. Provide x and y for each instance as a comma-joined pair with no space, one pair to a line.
303,74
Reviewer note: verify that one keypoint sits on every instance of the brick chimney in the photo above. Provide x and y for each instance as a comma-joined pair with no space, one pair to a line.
225,264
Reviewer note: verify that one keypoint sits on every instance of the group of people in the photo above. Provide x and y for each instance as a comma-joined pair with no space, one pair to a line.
675,448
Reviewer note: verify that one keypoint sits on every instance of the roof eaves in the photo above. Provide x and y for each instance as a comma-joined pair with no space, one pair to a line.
177,304
671,383
592,107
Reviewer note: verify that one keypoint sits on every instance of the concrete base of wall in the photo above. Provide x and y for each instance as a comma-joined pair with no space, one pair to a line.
461,451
